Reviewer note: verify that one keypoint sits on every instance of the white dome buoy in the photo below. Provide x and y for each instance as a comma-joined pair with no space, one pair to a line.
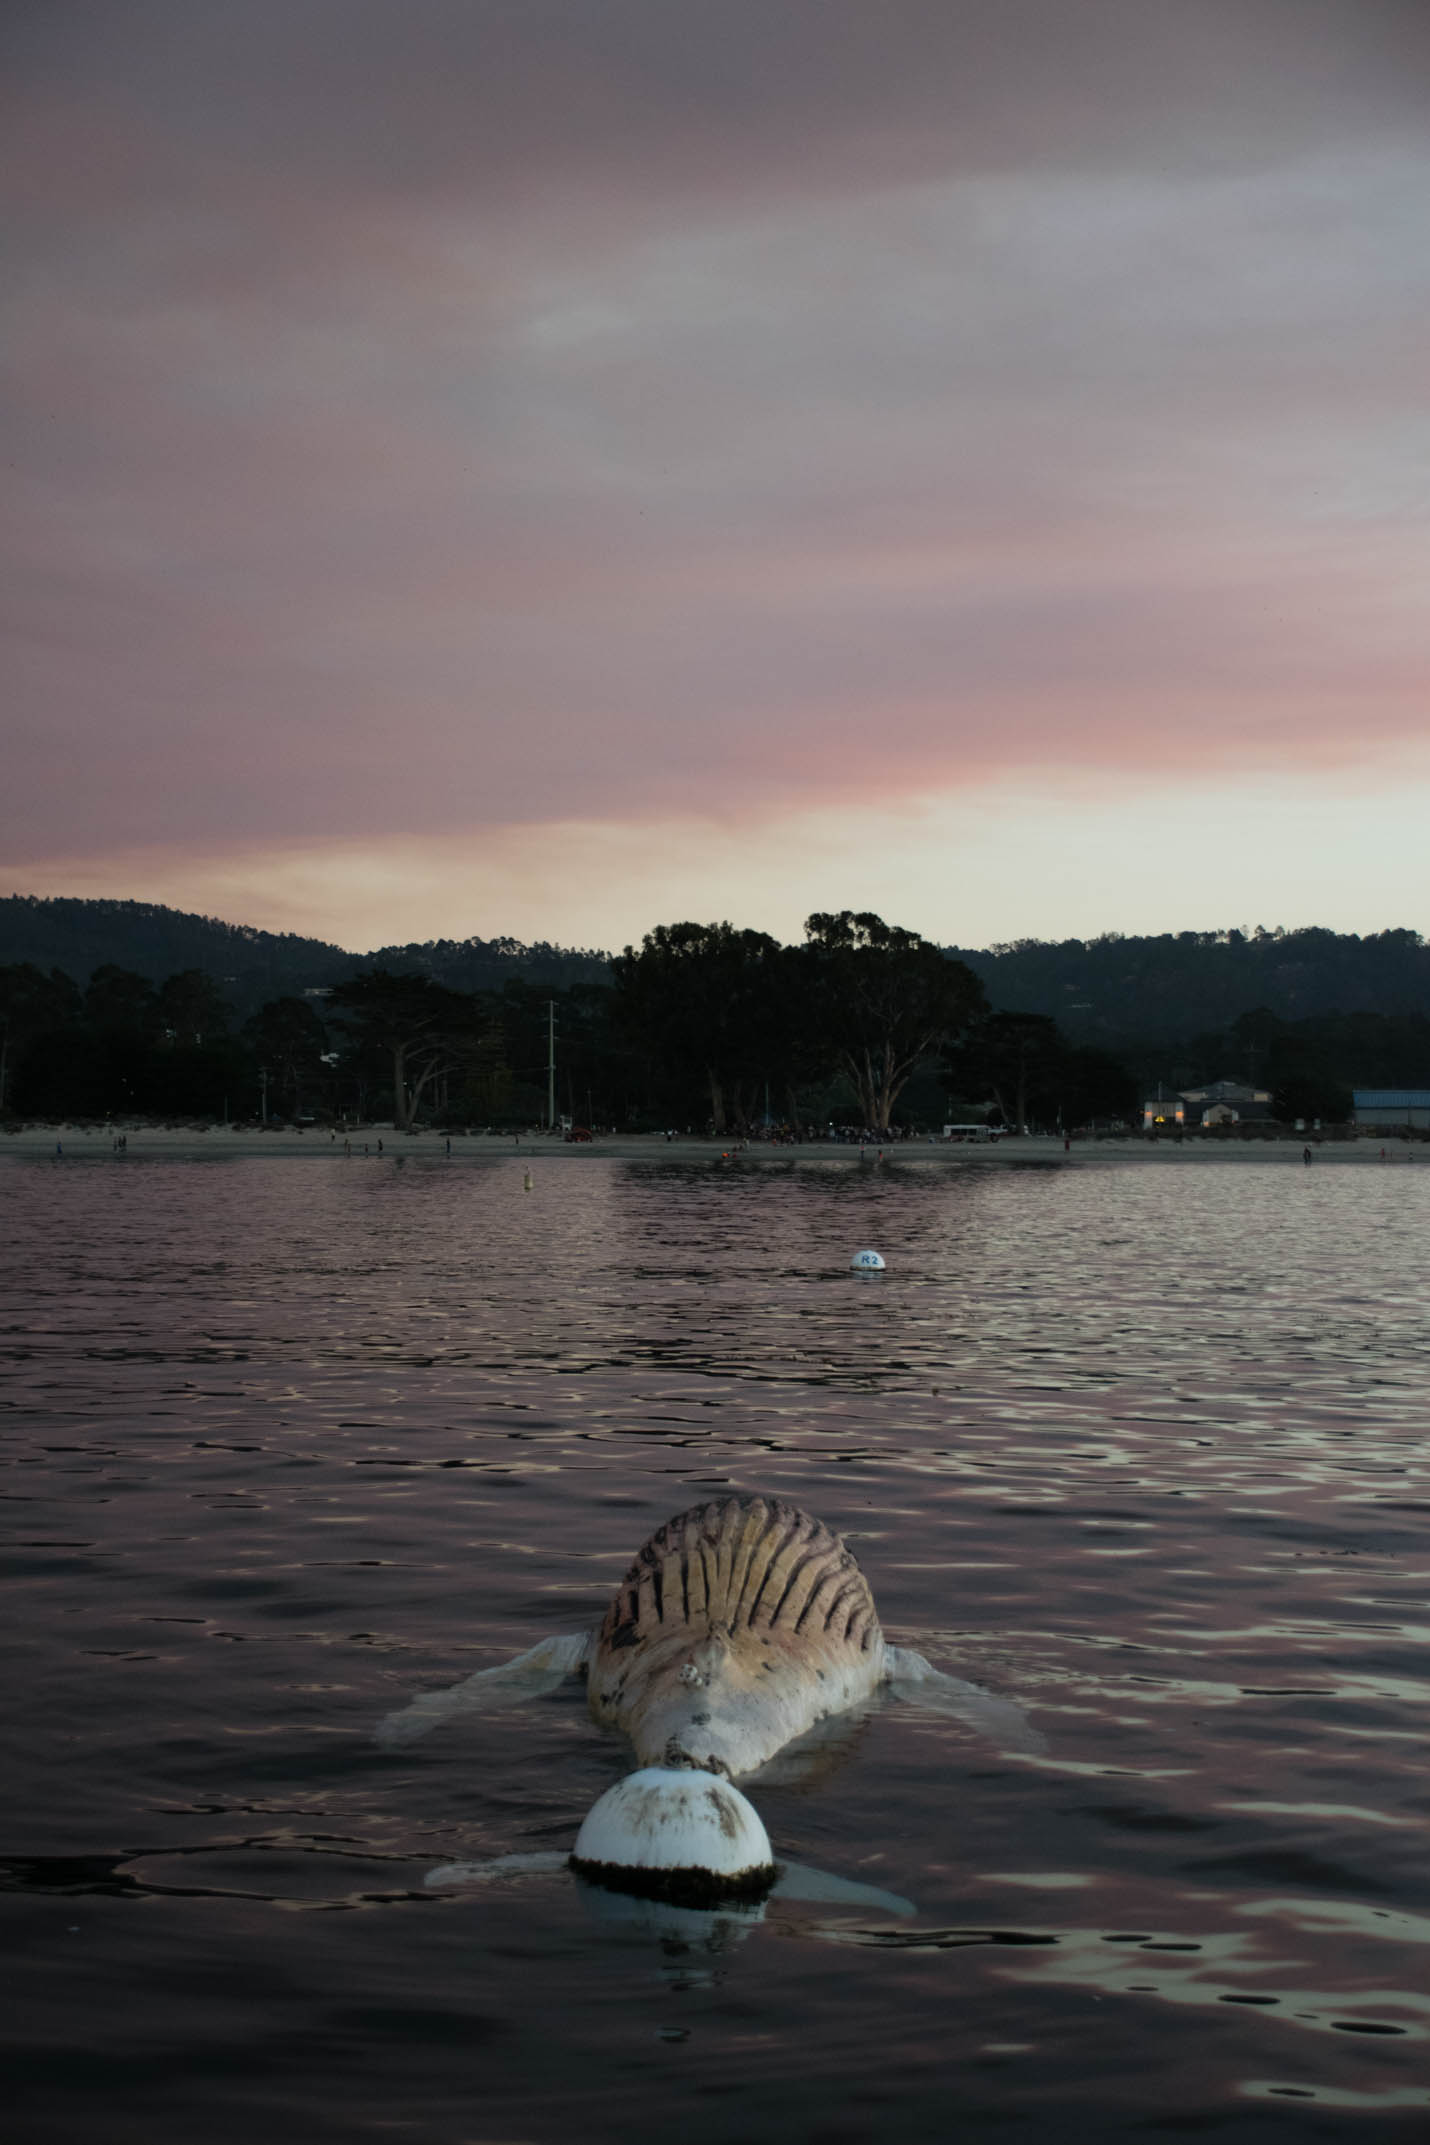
676,1831
866,1262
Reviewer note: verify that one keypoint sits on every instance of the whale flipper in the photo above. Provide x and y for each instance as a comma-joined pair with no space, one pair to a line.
795,1881
910,1676
539,1669
819,1886
545,1864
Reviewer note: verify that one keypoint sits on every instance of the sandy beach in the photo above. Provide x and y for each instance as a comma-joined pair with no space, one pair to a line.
380,1142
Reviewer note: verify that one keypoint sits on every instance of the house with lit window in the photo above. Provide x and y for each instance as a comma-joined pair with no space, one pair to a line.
1224,1102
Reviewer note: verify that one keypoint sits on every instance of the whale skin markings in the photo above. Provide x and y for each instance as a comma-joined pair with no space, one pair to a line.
740,1624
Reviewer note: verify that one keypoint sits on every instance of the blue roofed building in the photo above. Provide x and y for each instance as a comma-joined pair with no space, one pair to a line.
1392,1109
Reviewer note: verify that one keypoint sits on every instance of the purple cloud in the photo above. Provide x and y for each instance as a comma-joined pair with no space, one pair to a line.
434,418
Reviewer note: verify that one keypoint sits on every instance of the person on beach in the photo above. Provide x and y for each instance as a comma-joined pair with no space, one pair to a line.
1306,1154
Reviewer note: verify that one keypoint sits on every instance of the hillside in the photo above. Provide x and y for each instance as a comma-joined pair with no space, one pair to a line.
1116,992
1119,993
249,965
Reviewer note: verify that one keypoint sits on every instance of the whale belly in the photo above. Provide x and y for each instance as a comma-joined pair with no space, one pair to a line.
739,1626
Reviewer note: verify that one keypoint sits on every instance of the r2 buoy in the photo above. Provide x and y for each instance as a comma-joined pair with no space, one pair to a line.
866,1262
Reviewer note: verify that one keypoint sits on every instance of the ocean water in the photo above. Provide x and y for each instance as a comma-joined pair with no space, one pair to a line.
1142,1449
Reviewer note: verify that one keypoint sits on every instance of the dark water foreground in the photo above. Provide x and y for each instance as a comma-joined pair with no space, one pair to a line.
1145,1451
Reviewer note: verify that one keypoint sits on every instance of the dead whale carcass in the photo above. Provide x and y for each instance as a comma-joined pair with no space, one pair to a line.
740,1626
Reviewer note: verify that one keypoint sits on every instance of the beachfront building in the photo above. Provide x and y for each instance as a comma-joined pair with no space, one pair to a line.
1392,1109
1225,1102
1228,1102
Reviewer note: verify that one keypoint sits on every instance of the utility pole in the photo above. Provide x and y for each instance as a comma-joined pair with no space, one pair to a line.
551,1064
263,1091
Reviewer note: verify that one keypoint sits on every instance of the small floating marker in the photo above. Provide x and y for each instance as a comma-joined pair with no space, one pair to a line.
866,1262
526,1182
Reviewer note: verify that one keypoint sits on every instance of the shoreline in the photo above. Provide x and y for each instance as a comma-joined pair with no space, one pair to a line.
67,1142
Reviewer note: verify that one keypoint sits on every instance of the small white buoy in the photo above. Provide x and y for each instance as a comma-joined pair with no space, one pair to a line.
866,1262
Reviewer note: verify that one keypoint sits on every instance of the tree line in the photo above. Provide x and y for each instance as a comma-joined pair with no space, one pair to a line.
862,1024
1150,1000
702,1026
377,1044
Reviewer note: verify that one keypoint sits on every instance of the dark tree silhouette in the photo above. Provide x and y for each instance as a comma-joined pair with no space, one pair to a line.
1013,1058
190,1008
699,999
121,1002
424,1031
289,1039
881,998
32,1004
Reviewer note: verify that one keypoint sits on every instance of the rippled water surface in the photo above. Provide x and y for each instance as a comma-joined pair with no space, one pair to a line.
1143,1449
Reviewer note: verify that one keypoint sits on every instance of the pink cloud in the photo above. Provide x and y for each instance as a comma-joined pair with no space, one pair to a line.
440,419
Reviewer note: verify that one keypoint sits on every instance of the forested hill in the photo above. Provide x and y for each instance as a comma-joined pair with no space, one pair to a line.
485,964
80,936
1113,990
252,966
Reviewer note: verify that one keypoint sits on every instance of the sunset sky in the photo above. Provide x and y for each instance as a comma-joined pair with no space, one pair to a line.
551,467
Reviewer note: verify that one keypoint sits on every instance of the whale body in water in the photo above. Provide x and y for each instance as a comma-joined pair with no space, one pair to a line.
740,1626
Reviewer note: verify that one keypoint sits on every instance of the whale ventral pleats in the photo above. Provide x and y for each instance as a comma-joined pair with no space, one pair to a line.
741,1567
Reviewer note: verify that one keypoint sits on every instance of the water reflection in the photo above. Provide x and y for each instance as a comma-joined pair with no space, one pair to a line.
1210,1966
1143,1452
